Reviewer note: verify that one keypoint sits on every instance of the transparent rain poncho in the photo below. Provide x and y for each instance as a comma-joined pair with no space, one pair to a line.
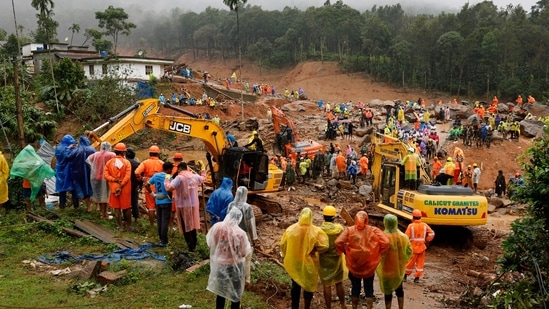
97,163
392,267
248,219
229,246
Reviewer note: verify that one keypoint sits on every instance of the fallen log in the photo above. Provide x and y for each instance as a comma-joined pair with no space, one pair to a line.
64,229
270,257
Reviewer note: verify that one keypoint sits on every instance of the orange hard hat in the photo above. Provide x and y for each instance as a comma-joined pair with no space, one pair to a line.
416,213
178,155
120,147
154,149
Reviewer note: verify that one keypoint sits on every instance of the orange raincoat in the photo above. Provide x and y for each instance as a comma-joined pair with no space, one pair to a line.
363,246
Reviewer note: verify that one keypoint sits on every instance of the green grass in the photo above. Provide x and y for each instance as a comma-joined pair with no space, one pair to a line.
22,286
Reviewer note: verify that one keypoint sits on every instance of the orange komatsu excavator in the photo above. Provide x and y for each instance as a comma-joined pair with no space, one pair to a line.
287,141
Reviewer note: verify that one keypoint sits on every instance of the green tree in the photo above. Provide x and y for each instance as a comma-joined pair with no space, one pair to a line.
525,249
74,28
114,21
11,47
68,78
46,32
36,123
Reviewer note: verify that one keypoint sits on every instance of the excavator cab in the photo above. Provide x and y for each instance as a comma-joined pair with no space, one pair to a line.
246,168
390,179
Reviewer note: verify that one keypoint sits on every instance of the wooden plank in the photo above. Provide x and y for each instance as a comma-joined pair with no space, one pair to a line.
64,229
104,234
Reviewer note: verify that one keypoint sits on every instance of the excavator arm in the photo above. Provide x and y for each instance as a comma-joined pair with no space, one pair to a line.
208,131
280,118
130,121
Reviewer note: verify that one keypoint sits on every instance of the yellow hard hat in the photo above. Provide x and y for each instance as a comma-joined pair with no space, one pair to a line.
329,211
475,165
449,159
254,132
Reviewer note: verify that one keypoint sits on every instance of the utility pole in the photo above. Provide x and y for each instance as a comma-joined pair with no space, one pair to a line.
18,102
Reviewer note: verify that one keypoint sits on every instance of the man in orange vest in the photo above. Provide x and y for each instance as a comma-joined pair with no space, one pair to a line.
144,172
420,235
118,175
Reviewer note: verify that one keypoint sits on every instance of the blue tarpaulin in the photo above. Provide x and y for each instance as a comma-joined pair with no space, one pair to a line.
144,90
140,253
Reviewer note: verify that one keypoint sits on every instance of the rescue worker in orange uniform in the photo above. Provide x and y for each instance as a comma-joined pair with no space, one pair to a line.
363,162
363,246
437,166
519,100
146,170
531,99
118,172
420,235
341,164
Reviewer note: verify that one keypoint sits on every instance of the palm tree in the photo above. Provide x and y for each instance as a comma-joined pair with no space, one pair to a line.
44,6
233,6
74,28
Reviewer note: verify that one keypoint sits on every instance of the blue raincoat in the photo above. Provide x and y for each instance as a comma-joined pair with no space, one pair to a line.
80,169
219,200
64,178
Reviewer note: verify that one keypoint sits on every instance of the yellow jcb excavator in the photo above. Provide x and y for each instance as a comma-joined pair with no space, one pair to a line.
249,168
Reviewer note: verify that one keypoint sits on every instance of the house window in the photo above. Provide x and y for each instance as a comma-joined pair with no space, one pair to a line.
104,69
91,69
148,69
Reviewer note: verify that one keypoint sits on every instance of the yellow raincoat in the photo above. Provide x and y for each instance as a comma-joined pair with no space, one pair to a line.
299,246
332,264
392,267
4,174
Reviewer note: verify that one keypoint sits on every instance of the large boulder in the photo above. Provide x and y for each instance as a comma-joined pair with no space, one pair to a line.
360,132
531,127
472,117
497,137
503,108
376,103
538,110
388,103
462,111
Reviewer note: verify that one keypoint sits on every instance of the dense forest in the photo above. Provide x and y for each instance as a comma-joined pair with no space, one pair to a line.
480,50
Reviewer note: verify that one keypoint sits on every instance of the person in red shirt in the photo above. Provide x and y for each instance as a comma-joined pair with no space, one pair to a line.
146,170
118,174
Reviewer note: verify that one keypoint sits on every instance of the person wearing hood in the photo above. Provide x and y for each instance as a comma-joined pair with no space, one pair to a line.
299,246
420,234
229,246
219,200
331,263
100,187
4,175
363,246
64,178
392,267
247,224
81,170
